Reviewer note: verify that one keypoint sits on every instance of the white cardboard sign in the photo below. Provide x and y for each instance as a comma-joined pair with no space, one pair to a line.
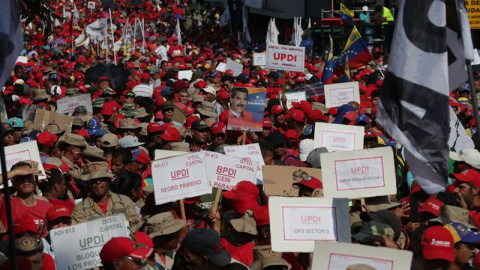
185,74
221,67
359,174
179,177
295,97
334,256
259,59
23,151
91,5
337,137
78,247
225,172
68,104
251,152
299,222
235,67
283,57
338,94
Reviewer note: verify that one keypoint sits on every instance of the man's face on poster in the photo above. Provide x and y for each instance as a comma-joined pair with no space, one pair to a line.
238,102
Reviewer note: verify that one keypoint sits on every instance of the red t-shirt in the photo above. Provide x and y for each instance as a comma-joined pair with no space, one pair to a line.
38,212
103,207
175,50
69,203
48,262
244,122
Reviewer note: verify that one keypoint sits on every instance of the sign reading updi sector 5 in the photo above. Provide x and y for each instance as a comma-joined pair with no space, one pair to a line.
299,222
179,177
225,172
283,57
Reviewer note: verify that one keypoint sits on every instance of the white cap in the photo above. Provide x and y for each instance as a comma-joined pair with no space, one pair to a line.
469,155
365,8
210,89
305,147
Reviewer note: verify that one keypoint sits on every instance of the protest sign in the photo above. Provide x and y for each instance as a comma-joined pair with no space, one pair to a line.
247,107
43,118
295,97
78,246
179,177
334,256
23,151
359,174
29,111
235,67
178,115
299,222
185,74
278,180
221,67
91,5
338,94
22,59
336,137
250,152
259,59
283,57
225,172
161,154
67,105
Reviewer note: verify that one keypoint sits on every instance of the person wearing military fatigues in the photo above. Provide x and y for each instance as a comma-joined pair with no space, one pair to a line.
101,201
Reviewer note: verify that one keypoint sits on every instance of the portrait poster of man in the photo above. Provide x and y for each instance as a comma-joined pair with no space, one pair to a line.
246,109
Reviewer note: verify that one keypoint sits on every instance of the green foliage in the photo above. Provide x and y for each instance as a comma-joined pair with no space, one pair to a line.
33,10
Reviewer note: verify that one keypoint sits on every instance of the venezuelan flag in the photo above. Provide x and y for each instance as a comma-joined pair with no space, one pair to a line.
328,71
357,52
345,13
347,75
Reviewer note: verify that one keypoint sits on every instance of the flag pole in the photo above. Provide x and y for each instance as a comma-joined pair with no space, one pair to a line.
471,81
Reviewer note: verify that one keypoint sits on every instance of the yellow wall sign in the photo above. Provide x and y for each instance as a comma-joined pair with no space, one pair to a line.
473,10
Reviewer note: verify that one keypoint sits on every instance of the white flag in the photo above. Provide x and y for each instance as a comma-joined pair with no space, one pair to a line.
246,33
11,38
178,33
82,40
225,17
98,29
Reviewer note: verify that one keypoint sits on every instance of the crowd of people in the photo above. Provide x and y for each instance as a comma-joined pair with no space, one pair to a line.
101,166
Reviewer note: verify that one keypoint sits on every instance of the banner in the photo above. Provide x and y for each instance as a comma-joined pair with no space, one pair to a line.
338,94
359,174
250,152
185,74
225,172
299,222
278,180
179,177
295,97
23,151
334,256
67,105
259,59
221,67
235,67
283,57
473,10
336,137
78,246
247,107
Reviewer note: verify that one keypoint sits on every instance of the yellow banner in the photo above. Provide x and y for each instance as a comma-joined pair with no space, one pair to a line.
473,10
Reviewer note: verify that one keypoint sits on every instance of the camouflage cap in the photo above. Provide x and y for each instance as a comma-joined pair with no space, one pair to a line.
96,170
98,102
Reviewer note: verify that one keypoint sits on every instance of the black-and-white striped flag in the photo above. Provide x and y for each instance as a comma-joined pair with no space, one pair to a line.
427,61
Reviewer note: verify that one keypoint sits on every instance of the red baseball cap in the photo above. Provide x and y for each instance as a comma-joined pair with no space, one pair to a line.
297,115
218,127
310,182
145,76
58,211
243,202
277,109
189,121
25,223
153,127
143,239
431,206
118,247
171,134
267,123
223,95
188,111
437,243
262,216
200,84
469,176
242,187
47,139
291,74
291,135
351,116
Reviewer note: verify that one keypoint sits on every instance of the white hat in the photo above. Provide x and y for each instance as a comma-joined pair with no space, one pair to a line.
469,155
129,141
365,8
305,147
210,89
